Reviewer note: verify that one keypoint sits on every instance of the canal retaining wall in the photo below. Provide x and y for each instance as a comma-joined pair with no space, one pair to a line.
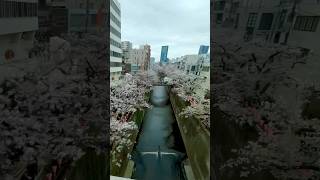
125,170
126,166
196,139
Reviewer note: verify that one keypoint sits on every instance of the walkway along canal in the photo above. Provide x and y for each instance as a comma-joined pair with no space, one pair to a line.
159,152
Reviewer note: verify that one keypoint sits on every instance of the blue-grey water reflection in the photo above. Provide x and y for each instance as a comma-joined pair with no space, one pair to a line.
155,155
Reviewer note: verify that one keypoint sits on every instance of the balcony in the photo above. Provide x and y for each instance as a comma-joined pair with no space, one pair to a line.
16,25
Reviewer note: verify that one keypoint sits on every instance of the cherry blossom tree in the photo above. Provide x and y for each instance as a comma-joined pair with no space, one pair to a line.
58,112
126,97
187,87
253,85
129,94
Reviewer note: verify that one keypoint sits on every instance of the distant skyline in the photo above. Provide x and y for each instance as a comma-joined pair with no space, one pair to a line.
183,25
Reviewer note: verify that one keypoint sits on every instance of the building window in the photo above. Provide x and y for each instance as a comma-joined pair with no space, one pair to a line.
206,68
219,18
115,64
115,7
219,6
115,19
18,9
306,23
115,43
115,32
77,20
266,21
115,54
252,19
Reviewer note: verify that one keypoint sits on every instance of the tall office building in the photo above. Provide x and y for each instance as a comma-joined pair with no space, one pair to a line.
164,55
203,49
17,28
115,40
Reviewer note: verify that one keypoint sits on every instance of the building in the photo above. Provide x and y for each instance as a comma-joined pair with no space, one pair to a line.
194,64
198,65
87,15
203,49
135,59
147,57
115,40
141,57
305,31
164,55
53,18
126,47
289,22
135,68
152,62
63,16
17,29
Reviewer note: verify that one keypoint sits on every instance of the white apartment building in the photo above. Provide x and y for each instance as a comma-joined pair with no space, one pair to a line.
18,24
115,40
276,21
194,64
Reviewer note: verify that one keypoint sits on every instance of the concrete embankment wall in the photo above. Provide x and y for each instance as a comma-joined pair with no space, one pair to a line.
196,139
125,169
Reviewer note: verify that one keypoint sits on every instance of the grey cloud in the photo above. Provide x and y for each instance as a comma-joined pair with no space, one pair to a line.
182,24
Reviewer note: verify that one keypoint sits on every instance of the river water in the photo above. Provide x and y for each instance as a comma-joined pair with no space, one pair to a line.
159,152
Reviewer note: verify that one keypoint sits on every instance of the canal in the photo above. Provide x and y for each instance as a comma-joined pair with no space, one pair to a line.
159,152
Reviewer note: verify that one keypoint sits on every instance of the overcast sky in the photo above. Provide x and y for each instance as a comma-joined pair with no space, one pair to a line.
182,24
